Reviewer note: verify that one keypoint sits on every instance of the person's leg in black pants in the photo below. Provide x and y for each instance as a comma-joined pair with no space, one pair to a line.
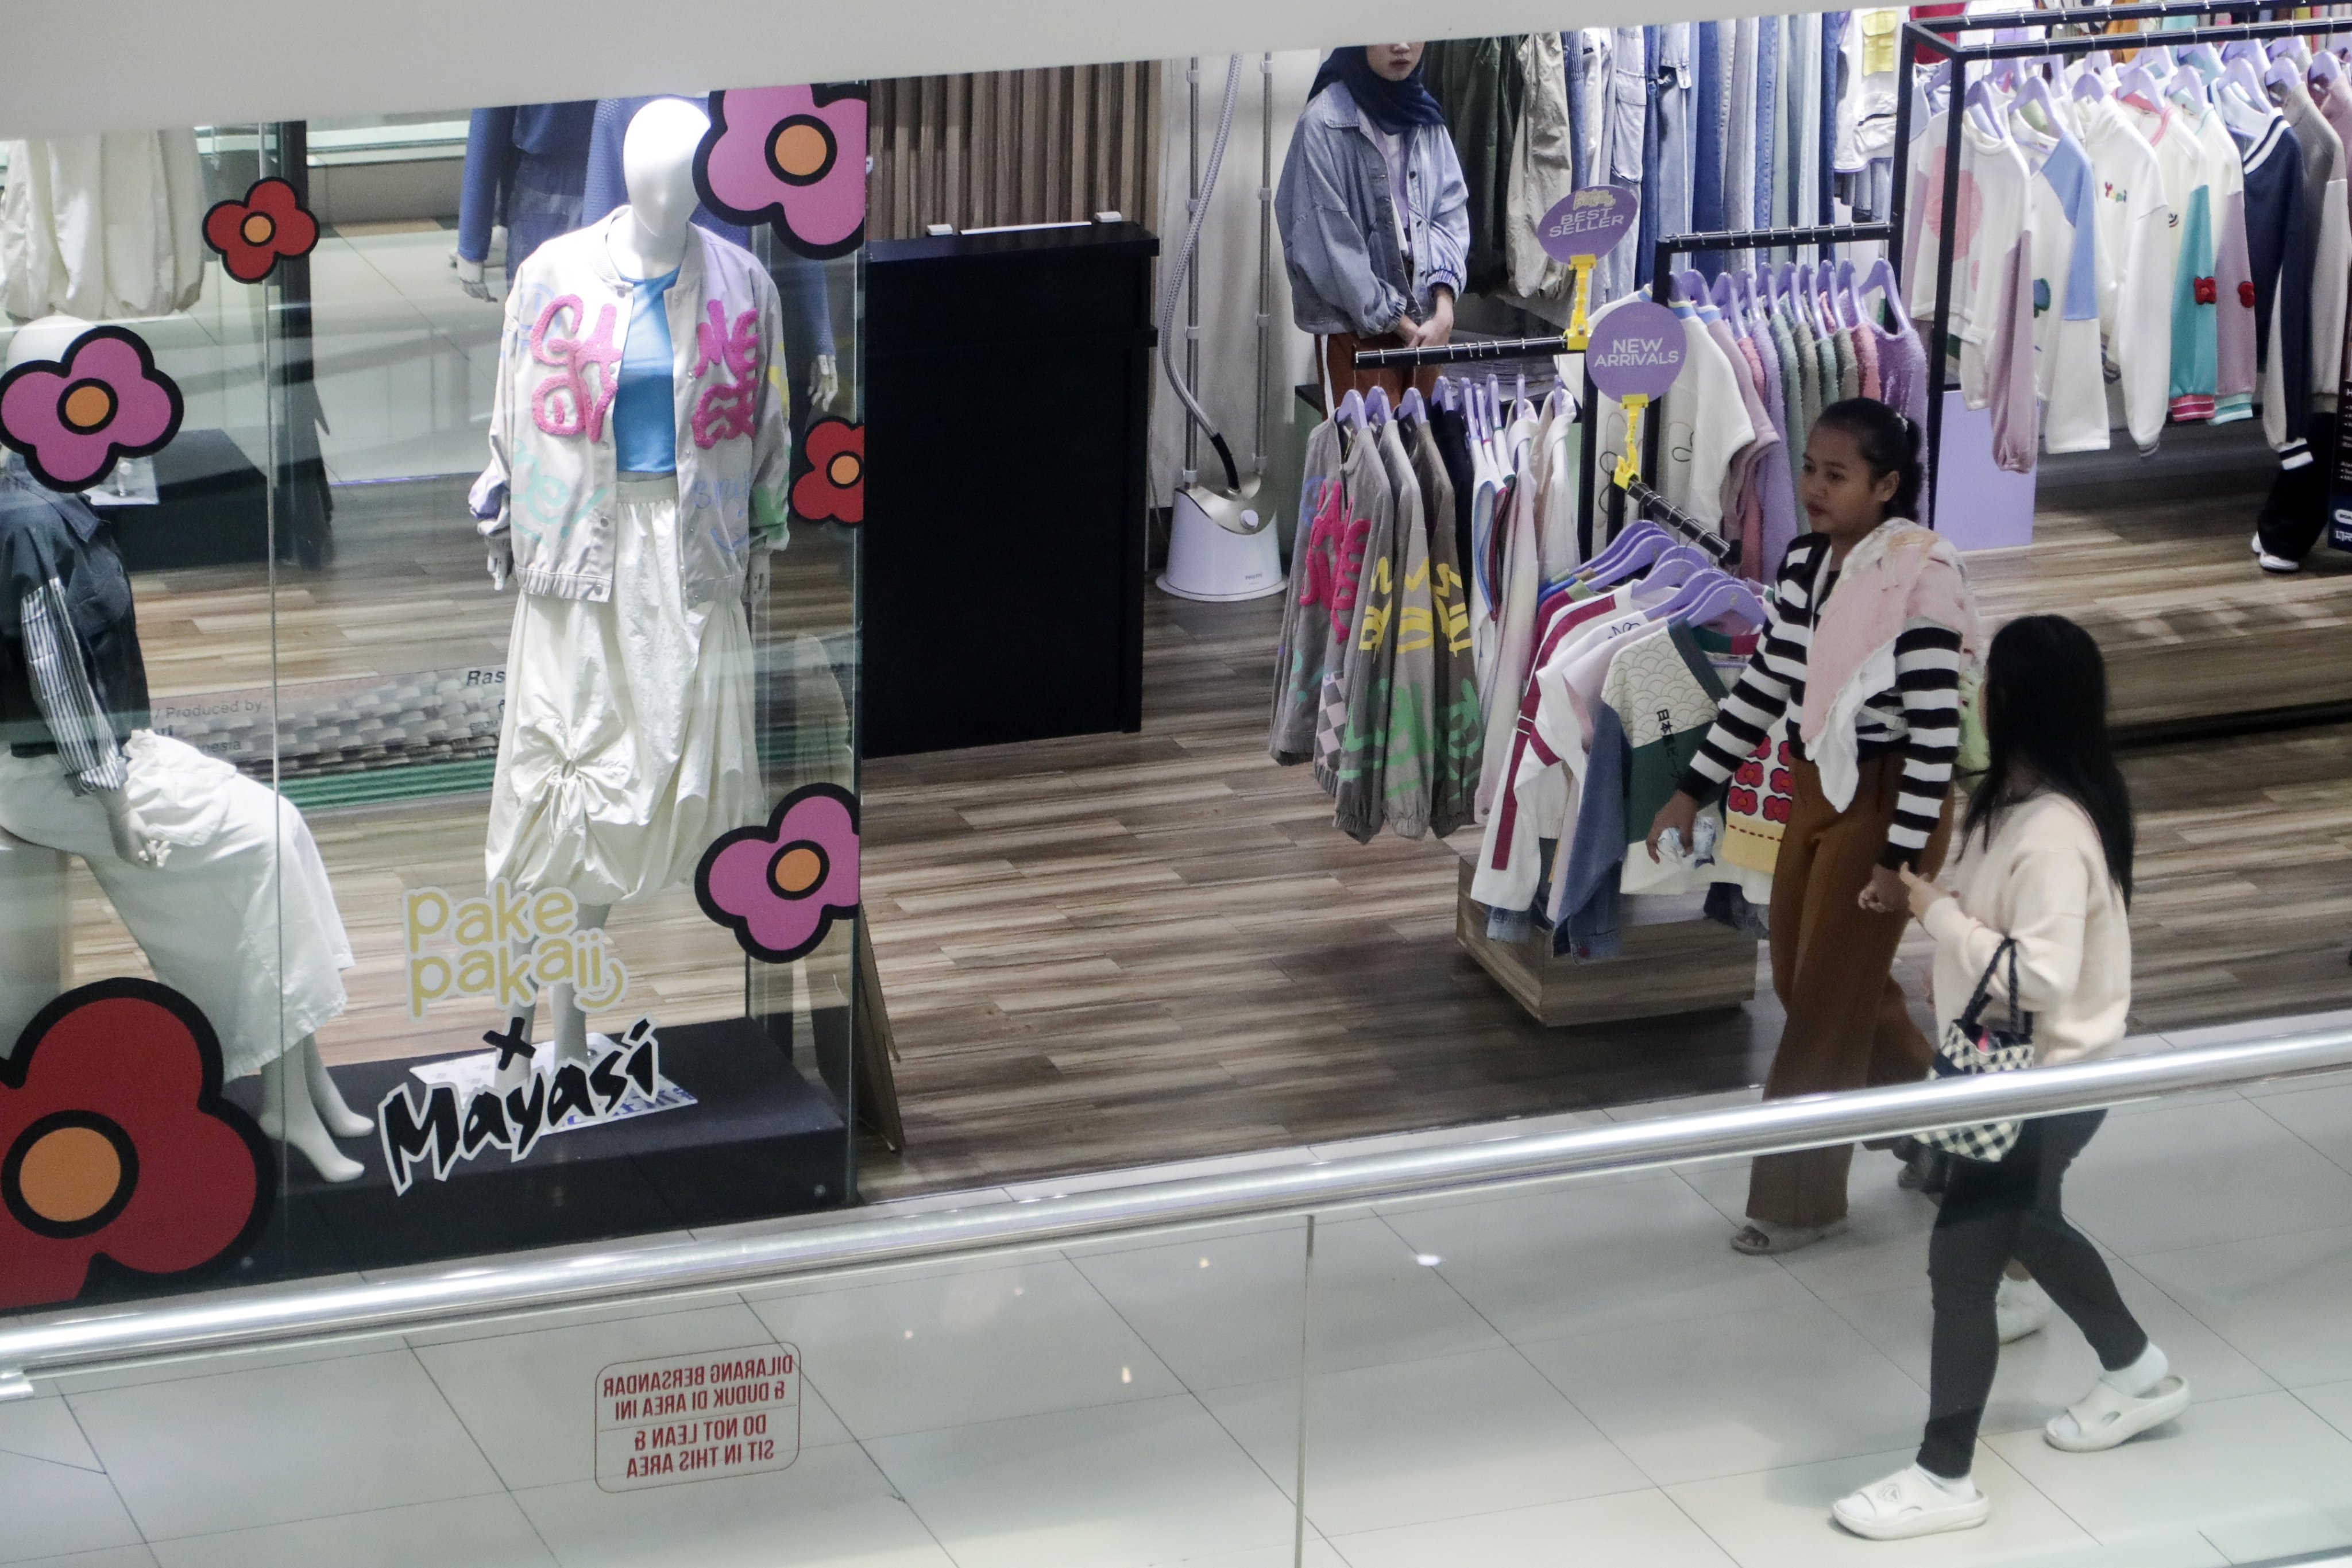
2295,516
1991,1214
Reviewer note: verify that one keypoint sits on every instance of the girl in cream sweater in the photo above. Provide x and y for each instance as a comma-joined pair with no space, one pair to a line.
2045,859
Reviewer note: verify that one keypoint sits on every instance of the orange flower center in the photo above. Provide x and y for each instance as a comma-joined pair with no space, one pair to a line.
69,1174
844,469
798,869
799,149
85,405
256,229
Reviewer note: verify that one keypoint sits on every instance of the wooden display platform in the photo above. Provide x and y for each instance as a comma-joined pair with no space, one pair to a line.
1675,961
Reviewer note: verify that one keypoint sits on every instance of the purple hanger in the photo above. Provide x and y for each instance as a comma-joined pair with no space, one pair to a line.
1881,275
1412,410
1376,406
1611,564
1727,594
1352,409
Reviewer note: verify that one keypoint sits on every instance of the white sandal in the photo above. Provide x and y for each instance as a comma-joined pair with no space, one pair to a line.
1906,1504
2107,1416
1770,1238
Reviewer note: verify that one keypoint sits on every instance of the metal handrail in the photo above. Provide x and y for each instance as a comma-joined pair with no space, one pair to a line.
303,1313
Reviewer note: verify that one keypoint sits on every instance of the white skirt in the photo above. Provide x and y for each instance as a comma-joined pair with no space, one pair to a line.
630,740
239,919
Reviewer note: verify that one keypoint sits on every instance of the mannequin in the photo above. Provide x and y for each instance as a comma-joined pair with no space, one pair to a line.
191,853
629,741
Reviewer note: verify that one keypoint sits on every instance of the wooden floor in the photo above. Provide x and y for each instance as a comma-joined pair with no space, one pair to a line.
1126,949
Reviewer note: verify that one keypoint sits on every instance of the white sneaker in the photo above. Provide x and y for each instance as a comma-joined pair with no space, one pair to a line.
2022,1306
1911,1502
2279,565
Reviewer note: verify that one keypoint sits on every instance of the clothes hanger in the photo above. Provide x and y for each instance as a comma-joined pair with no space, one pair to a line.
1987,114
2088,86
2133,81
1726,595
1376,406
1352,409
2036,92
2204,59
1605,566
2187,88
2325,69
2243,49
2284,71
1849,301
1412,411
2294,48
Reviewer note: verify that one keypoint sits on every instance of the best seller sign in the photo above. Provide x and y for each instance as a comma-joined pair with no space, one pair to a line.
697,1417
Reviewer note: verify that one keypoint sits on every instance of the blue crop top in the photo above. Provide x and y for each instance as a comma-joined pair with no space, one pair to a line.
644,412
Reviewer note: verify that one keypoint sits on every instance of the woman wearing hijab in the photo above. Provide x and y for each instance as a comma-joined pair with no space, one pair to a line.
1374,212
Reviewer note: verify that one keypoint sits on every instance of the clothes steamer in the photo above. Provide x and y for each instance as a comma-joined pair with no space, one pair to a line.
1220,546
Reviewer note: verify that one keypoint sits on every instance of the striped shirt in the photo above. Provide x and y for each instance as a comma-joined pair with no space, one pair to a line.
1919,716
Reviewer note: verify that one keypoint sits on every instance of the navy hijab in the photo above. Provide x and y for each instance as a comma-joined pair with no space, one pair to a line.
1394,107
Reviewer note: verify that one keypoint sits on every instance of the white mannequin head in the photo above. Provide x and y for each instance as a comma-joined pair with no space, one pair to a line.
658,167
47,338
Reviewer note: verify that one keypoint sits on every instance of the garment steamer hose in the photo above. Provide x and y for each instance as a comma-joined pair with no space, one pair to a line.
1175,281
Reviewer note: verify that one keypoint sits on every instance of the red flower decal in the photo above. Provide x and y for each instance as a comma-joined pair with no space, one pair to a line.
1776,810
2246,294
1743,800
251,235
794,156
72,419
116,1145
1751,773
833,487
1783,782
2207,294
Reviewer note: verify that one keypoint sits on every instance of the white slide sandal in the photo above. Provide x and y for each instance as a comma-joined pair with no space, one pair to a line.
2107,1416
1905,1505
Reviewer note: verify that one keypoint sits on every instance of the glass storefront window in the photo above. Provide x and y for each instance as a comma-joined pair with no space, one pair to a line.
428,825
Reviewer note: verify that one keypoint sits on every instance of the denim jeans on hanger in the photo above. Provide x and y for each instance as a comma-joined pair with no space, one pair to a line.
1579,159
1706,146
1629,115
1768,117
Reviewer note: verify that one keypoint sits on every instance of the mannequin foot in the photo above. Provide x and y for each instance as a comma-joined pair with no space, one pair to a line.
288,1116
334,1113
329,1161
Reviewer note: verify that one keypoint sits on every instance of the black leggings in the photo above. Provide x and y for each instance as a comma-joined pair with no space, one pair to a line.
1991,1214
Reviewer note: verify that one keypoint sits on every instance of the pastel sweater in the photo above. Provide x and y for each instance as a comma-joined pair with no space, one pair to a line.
2042,878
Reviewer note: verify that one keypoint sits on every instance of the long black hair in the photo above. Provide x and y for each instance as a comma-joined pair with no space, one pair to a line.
2045,711
1889,443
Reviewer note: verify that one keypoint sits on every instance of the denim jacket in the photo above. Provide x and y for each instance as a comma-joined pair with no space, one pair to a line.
1339,221
548,492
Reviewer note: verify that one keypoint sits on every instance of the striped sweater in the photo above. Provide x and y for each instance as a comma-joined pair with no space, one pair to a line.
1919,716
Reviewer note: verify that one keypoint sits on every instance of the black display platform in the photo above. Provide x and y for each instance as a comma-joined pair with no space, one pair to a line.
761,1142
212,507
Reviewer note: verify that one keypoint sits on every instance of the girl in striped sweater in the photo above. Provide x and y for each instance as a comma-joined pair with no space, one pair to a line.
1871,619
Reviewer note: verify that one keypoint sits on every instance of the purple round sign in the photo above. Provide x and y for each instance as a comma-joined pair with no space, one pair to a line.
1635,350
1588,222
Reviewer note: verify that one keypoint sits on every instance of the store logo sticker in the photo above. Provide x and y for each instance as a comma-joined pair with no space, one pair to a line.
505,946
697,1417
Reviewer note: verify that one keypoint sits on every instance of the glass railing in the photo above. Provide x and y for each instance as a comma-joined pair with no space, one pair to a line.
1526,1343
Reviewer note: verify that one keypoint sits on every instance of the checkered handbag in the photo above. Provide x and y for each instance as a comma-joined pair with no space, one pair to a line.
1969,1048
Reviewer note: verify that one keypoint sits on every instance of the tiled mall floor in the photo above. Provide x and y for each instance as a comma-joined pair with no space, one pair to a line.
1576,1374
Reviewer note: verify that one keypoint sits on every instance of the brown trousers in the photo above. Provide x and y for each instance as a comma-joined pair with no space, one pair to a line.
1339,368
1848,1026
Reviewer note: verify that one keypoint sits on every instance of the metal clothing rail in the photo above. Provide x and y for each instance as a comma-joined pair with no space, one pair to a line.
1927,36
1659,509
1462,353
100,1339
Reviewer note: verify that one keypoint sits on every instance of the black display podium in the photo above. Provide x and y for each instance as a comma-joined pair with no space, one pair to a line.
1008,411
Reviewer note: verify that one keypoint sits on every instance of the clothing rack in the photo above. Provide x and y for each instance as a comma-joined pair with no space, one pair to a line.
1462,353
1825,235
1927,36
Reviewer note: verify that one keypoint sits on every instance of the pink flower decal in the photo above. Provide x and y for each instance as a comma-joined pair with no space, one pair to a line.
780,888
794,156
74,418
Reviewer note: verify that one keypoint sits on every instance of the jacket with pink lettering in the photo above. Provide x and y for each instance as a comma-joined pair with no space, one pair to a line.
547,496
